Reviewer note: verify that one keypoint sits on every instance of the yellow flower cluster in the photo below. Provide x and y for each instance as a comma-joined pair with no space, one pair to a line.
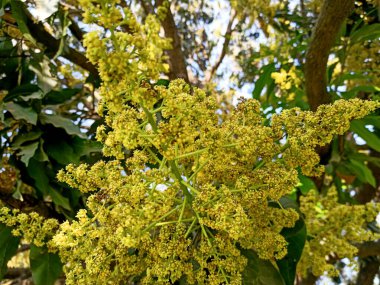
364,61
188,189
184,189
333,228
33,227
286,80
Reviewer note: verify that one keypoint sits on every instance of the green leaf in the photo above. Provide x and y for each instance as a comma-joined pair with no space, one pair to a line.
265,79
19,14
363,173
259,271
22,113
59,199
26,137
306,184
21,90
40,153
46,267
367,32
27,152
8,247
62,152
296,238
61,122
358,127
85,147
59,97
372,120
163,82
37,170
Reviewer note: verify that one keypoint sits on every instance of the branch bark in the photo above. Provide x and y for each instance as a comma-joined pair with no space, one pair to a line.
38,31
227,39
367,272
332,15
177,61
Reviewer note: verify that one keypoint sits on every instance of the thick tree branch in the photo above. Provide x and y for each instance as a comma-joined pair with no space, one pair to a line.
332,15
367,272
176,58
367,249
227,39
38,31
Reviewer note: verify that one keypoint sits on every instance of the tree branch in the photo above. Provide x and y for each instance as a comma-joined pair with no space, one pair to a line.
37,30
227,39
176,58
332,15
368,270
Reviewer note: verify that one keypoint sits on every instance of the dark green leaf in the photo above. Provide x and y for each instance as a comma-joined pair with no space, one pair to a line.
62,152
358,127
85,147
46,267
296,238
26,137
8,247
22,90
22,113
259,271
37,170
163,82
61,122
58,97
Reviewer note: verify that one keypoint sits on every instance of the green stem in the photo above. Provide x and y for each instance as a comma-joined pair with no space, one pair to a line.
191,227
159,220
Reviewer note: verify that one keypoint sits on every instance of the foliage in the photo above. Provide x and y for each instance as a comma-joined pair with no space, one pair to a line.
172,183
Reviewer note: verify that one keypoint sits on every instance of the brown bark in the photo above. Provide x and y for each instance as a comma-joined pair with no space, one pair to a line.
227,39
367,272
332,15
177,61
39,33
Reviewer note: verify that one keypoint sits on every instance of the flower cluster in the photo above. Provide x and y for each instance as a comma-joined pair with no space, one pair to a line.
184,189
33,227
334,228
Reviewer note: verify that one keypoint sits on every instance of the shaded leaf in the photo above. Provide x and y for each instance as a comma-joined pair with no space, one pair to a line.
22,113
85,147
21,90
296,238
58,97
259,271
8,247
46,267
61,122
26,137
62,152
37,171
